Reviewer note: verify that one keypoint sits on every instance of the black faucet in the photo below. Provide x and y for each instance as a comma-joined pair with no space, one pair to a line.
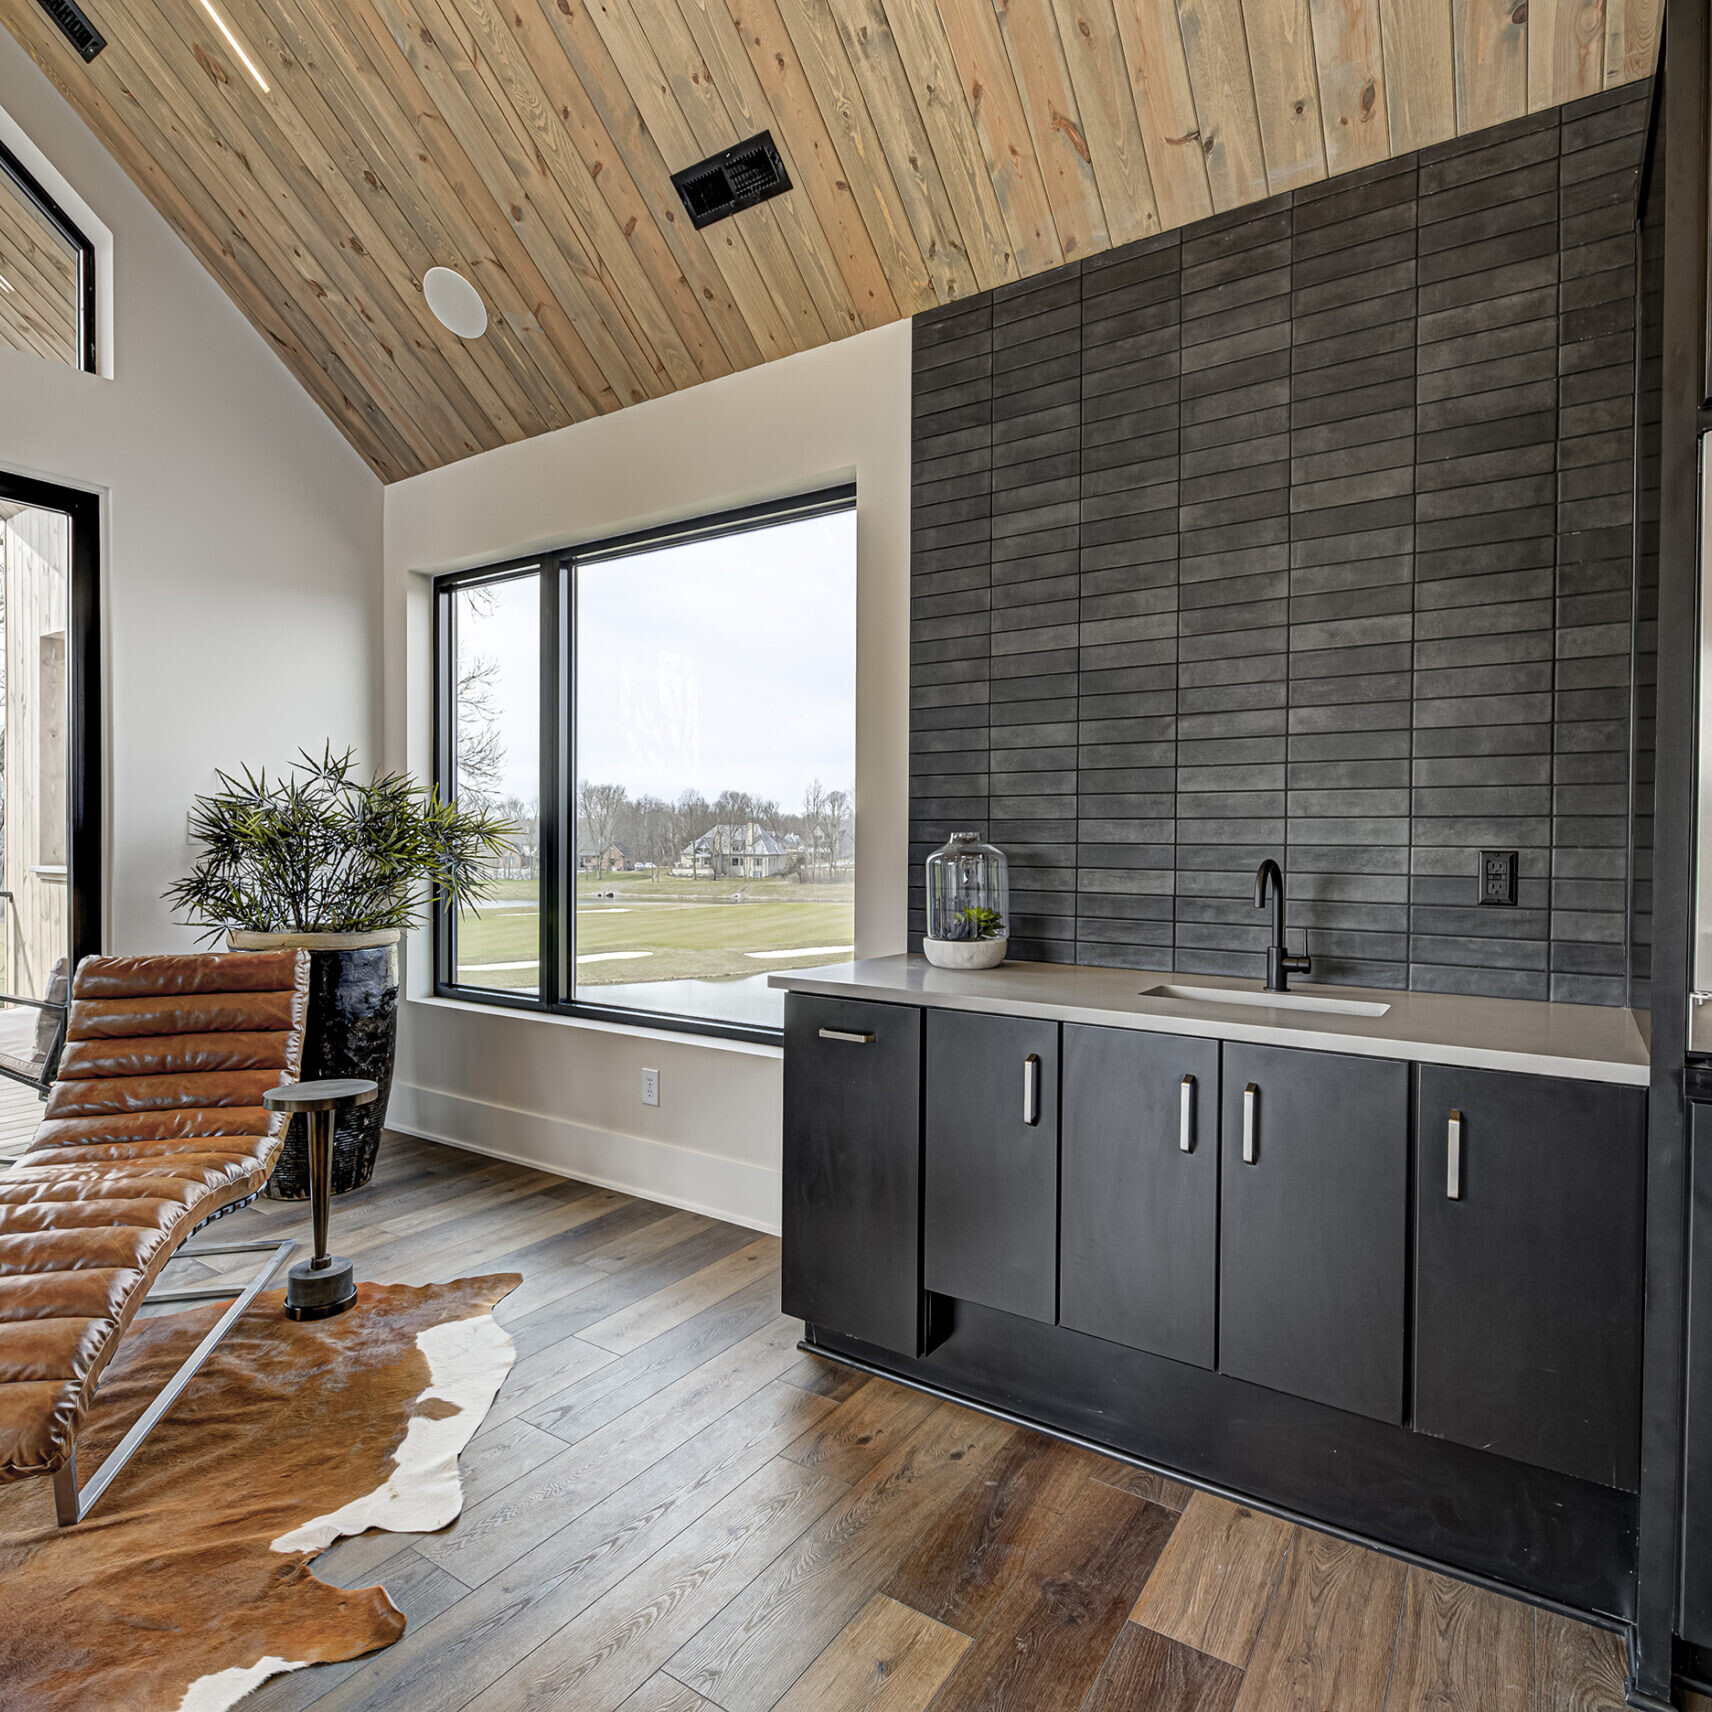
1280,965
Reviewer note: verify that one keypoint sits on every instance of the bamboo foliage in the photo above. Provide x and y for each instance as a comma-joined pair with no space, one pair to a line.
323,851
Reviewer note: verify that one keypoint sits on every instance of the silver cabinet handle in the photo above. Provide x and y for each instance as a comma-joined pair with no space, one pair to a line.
1186,1118
1453,1158
1250,1095
1031,1089
848,1036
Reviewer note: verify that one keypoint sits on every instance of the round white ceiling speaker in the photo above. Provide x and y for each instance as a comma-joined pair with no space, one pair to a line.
457,305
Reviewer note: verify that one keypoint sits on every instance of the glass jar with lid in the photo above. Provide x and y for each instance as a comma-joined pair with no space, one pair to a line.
968,904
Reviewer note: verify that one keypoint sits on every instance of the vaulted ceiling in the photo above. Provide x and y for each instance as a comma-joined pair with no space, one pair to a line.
936,147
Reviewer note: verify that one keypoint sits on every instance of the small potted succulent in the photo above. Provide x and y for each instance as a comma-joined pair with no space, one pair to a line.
968,905
340,866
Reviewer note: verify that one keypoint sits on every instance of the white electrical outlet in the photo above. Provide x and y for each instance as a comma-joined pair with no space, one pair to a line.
650,1087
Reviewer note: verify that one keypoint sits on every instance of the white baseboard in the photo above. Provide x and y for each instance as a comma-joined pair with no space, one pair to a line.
726,1189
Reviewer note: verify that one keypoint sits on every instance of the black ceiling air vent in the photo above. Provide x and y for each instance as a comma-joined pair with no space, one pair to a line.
735,179
75,27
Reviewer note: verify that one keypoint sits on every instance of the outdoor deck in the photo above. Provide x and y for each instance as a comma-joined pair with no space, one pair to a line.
20,1112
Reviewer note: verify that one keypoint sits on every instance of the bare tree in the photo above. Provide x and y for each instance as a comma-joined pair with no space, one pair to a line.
813,814
653,831
479,752
691,816
839,820
599,810
478,759
525,818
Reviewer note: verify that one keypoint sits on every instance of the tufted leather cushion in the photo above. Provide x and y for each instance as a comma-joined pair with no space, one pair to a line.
154,1125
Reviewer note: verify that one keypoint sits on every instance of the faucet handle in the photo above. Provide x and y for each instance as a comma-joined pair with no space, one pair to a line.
1299,963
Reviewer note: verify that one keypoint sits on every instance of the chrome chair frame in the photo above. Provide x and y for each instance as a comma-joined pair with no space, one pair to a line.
70,1505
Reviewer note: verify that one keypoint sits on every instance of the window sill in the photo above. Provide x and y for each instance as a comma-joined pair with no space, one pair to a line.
599,1025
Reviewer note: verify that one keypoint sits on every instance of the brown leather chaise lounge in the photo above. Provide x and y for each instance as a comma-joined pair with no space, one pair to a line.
154,1125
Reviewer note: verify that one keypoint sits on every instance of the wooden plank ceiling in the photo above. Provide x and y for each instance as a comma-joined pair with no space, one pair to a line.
937,147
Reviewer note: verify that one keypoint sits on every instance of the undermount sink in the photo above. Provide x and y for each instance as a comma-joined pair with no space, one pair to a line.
1272,1001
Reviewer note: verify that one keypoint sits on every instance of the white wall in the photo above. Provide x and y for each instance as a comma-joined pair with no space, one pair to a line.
566,1094
241,535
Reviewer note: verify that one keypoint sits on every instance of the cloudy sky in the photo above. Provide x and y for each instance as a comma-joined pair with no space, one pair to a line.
724,664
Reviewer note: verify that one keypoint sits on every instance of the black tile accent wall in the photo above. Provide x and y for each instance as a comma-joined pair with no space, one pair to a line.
1304,532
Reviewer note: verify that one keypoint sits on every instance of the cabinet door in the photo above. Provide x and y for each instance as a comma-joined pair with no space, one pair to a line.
991,1231
1529,1208
851,1215
1313,1249
1139,1219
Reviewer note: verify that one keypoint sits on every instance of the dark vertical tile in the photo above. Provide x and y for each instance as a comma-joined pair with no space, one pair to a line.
1306,532
1233,521
951,581
1352,544
1035,523
1483,667
1127,623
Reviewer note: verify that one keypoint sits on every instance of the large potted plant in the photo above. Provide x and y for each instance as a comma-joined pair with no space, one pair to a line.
340,866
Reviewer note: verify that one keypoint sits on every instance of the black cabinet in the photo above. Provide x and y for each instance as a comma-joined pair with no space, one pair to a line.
1313,1225
990,1233
851,1250
1139,1221
1529,1203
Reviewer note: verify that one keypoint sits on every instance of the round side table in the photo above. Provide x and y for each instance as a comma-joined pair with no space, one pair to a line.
325,1284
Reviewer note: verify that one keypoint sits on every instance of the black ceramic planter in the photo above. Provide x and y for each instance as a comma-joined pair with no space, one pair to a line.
352,1031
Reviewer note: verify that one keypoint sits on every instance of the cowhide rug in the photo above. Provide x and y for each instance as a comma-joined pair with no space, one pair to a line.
190,1583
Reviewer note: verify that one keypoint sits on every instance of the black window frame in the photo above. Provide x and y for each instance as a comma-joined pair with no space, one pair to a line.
555,994
85,840
30,188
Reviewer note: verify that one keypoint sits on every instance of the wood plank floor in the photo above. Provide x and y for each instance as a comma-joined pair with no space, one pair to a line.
671,1509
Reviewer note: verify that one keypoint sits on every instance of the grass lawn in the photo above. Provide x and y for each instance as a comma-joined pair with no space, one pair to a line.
634,927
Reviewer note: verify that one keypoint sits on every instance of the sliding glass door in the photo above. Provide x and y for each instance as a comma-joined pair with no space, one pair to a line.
49,767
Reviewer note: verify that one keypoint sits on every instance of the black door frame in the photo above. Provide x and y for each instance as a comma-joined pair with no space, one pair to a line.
84,832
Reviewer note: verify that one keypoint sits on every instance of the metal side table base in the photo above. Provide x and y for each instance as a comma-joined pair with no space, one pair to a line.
325,1285
315,1291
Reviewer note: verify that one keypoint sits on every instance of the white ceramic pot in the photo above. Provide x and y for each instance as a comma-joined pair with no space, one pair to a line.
964,953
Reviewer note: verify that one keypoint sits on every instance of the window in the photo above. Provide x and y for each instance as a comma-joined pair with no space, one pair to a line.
50,839
669,722
495,750
47,273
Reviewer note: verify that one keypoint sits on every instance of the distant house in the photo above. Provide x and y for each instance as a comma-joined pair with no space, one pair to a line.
517,861
614,859
745,851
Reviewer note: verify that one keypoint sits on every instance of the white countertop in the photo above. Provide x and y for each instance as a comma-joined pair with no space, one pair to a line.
1592,1043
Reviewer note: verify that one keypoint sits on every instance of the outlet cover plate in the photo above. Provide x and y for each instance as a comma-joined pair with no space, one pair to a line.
1498,876
650,1087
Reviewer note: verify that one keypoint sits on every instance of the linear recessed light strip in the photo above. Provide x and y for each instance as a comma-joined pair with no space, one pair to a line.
5,283
236,46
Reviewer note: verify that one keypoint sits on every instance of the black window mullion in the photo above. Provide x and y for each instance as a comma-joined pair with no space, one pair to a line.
565,780
86,355
550,850
445,726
